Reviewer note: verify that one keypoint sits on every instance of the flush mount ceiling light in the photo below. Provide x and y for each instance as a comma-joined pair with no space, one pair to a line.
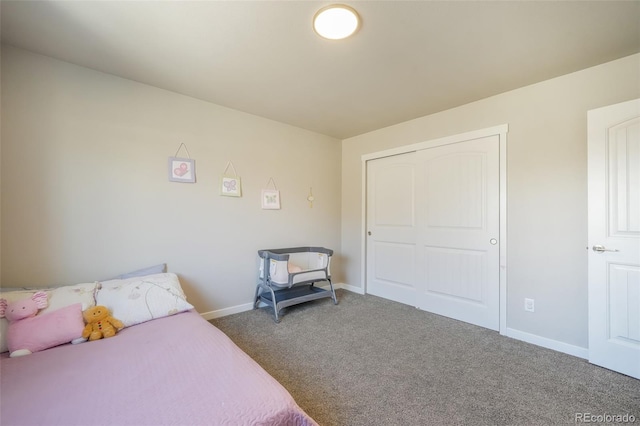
336,22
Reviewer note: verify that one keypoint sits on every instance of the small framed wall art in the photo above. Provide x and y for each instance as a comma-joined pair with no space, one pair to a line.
271,197
182,169
231,185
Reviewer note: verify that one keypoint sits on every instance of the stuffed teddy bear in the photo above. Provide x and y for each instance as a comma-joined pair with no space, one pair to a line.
100,323
28,333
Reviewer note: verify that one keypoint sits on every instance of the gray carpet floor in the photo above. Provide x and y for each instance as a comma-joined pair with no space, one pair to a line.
370,361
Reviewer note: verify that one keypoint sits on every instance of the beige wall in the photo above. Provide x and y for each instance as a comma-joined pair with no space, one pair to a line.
85,193
547,188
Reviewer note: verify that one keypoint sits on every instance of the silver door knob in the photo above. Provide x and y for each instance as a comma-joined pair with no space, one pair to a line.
602,249
369,233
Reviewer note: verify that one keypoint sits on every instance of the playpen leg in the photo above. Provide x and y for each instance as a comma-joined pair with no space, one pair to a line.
256,298
275,306
333,293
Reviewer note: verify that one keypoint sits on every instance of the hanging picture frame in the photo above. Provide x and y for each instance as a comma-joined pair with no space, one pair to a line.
182,169
231,185
271,197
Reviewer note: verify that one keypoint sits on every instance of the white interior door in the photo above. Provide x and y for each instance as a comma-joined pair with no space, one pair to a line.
614,237
433,225
460,231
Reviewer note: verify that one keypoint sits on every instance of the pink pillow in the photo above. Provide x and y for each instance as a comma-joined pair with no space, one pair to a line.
46,330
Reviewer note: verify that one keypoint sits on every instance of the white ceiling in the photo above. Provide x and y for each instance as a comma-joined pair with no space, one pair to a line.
409,59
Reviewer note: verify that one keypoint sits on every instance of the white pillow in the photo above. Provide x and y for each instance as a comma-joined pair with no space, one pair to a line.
61,297
140,299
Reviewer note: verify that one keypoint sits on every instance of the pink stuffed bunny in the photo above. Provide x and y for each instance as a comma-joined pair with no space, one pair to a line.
21,309
29,333
24,308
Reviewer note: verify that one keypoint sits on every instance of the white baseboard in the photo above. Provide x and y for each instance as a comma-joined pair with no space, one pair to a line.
351,288
548,343
227,311
248,306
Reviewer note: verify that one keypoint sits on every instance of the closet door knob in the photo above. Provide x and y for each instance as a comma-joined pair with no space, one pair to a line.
369,233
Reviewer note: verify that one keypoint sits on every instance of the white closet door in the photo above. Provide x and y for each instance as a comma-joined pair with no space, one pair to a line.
392,233
459,232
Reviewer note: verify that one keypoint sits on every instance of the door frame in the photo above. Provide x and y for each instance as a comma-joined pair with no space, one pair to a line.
500,131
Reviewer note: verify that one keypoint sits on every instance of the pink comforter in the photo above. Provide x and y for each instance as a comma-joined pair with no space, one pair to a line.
178,370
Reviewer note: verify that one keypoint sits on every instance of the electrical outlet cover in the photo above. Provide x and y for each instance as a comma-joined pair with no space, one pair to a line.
529,305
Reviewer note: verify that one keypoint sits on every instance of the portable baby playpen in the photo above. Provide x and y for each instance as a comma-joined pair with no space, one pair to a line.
287,277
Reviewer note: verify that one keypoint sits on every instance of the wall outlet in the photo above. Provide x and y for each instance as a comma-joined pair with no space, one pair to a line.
529,305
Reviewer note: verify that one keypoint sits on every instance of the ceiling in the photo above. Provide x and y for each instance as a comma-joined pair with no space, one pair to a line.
409,58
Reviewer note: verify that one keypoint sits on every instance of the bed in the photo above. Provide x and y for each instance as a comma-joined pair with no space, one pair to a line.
173,370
